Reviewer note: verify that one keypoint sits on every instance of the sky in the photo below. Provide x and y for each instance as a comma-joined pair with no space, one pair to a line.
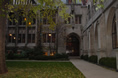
77,1
64,1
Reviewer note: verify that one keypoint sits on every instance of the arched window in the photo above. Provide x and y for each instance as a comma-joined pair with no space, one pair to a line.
114,33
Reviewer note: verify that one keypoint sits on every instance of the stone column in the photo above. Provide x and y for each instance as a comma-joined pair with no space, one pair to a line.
117,60
89,41
101,38
101,53
26,35
117,36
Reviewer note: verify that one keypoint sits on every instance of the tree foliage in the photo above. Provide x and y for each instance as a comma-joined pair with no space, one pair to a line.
42,8
99,4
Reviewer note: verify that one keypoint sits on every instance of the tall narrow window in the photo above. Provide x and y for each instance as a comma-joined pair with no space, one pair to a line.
53,38
44,38
44,20
33,38
21,35
31,35
114,33
11,20
11,35
11,38
69,1
74,1
49,38
29,38
77,19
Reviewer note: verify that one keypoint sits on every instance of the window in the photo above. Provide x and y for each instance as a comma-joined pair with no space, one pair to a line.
26,2
33,38
11,35
73,1
31,35
44,38
114,33
21,20
31,17
21,35
69,1
77,19
45,20
11,38
29,38
11,20
53,38
49,37
84,2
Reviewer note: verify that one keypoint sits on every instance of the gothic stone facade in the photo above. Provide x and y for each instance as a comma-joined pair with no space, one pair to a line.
89,32
100,32
21,36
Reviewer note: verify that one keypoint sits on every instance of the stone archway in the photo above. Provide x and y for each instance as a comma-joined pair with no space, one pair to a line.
109,30
73,45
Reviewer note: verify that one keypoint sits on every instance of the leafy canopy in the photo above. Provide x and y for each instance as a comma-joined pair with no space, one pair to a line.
42,8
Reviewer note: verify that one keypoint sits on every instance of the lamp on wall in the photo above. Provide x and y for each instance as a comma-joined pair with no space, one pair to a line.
50,35
29,23
14,38
10,34
25,19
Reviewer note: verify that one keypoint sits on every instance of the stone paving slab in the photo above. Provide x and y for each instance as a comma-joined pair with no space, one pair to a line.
92,70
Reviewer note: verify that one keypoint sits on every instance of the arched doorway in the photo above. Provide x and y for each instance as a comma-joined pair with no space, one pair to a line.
111,32
73,45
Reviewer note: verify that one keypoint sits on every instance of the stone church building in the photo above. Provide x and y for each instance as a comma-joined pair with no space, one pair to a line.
99,35
89,32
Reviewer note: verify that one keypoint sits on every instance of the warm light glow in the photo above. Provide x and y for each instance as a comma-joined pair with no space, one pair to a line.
25,19
50,34
52,54
29,23
14,38
10,34
72,50
46,54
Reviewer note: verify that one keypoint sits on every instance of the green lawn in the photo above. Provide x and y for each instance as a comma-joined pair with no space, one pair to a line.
42,70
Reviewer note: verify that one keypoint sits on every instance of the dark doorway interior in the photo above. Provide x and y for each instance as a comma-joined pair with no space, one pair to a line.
72,45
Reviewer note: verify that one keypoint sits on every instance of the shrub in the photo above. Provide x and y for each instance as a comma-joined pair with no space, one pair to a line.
22,55
43,57
35,52
82,56
93,58
56,56
85,57
10,55
108,62
63,55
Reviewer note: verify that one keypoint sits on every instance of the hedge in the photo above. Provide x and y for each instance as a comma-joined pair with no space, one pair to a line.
108,62
93,58
85,57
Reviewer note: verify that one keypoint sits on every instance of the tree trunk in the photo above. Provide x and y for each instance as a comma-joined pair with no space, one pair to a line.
3,68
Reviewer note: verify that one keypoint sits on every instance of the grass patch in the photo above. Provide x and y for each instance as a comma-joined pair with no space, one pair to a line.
42,70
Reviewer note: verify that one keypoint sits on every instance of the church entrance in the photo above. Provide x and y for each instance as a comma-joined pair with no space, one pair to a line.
73,45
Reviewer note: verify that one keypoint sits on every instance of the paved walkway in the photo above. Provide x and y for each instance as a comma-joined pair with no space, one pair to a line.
93,71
